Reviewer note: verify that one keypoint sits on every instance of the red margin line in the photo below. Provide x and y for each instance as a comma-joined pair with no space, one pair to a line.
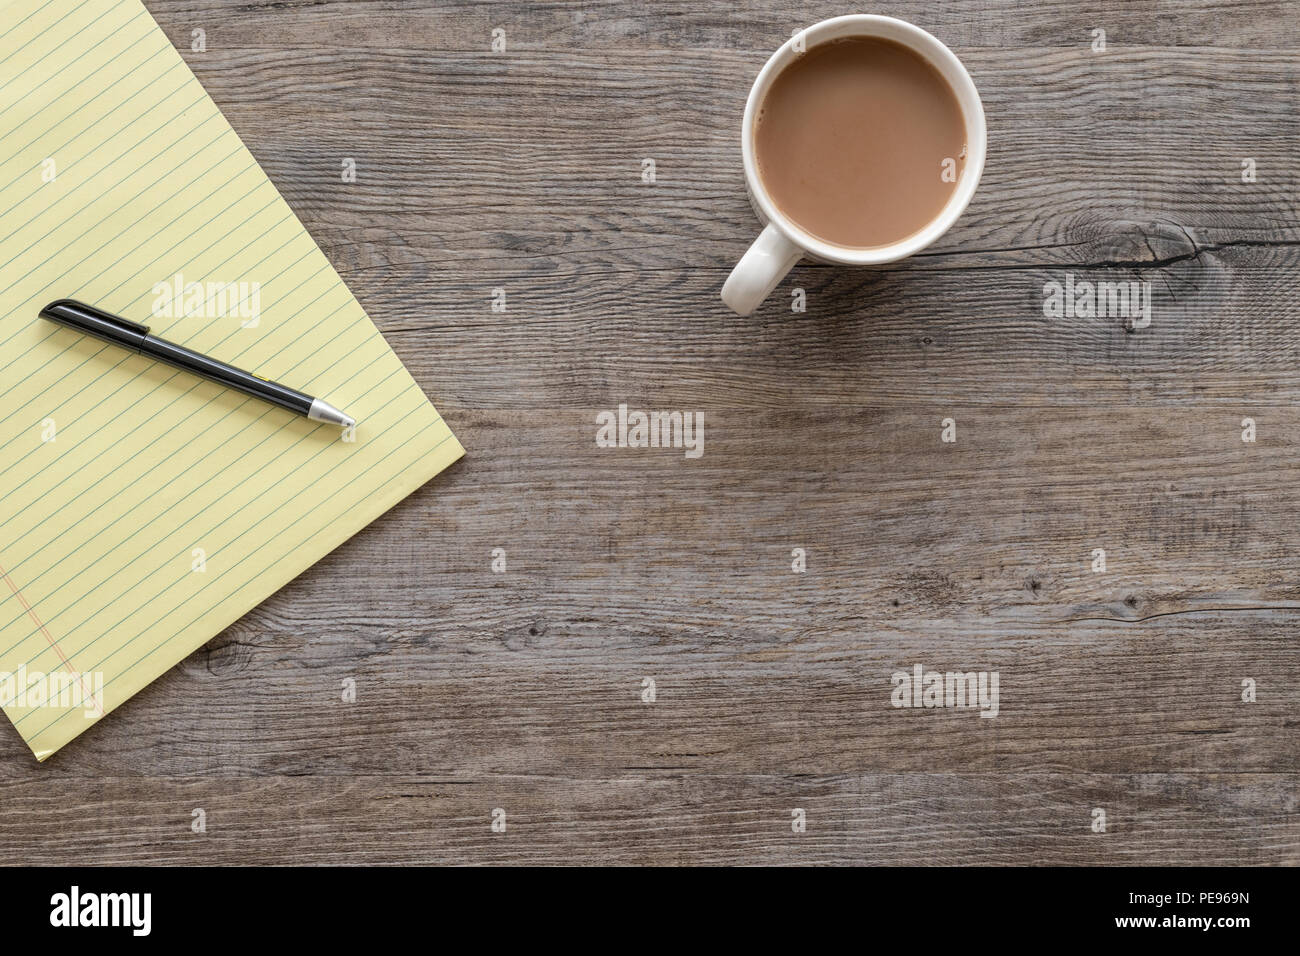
50,638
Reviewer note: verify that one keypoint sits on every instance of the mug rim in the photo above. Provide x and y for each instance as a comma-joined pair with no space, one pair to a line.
935,52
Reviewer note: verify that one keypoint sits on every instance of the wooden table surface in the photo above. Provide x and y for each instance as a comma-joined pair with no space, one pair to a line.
521,170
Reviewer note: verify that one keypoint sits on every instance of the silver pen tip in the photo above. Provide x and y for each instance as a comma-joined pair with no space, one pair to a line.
323,411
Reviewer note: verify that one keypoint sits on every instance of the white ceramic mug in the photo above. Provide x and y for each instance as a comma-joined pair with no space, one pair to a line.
782,243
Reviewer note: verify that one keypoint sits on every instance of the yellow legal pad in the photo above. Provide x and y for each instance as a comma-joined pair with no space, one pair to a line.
143,509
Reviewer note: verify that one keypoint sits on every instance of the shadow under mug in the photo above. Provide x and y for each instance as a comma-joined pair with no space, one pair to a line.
782,242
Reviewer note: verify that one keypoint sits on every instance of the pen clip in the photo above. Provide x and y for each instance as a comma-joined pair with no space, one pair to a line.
65,309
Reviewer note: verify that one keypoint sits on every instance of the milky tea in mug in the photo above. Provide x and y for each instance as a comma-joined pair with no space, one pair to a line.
860,142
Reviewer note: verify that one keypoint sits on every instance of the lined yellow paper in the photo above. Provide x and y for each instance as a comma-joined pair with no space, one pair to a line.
142,509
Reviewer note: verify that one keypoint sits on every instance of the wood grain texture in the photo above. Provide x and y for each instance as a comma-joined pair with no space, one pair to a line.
522,691
647,818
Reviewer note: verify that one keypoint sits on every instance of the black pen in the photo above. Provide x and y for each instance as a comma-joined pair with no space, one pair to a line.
136,337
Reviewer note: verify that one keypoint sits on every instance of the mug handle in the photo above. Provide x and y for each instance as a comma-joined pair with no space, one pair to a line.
765,264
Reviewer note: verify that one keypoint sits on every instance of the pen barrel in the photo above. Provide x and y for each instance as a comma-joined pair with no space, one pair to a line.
223,374
92,321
